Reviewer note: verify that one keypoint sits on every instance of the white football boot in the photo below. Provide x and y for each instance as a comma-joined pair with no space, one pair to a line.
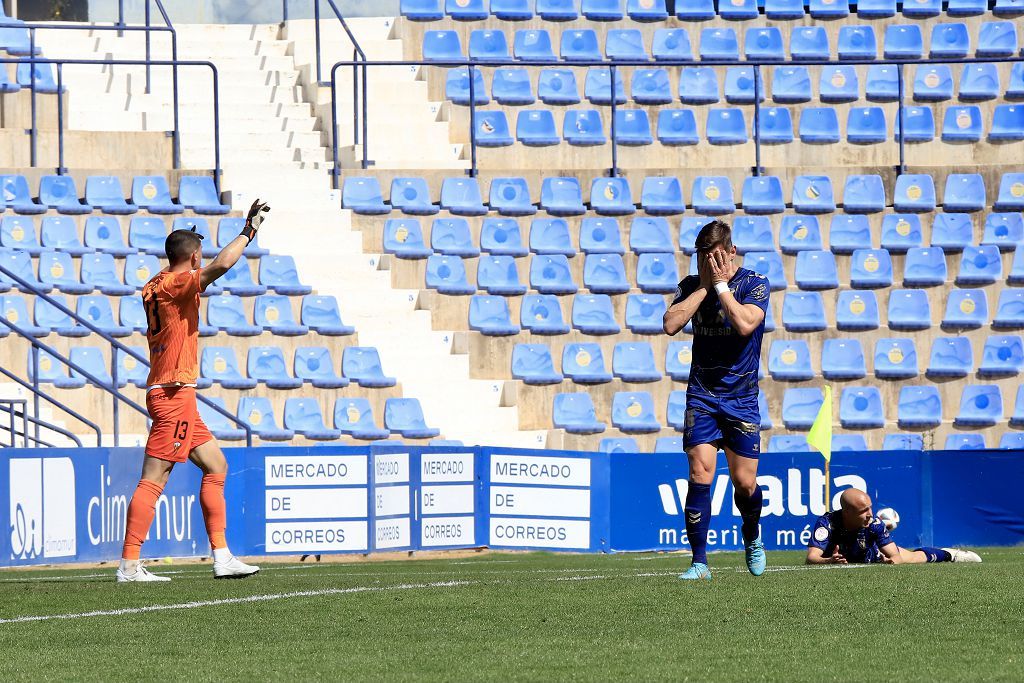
963,555
141,574
233,568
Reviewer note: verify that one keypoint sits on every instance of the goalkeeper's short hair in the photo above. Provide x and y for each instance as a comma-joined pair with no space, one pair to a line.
181,244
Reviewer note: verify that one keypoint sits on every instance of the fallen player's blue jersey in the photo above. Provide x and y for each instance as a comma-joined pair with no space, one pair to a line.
856,545
725,363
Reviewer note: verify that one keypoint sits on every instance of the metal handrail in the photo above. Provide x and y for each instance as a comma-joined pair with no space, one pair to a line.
8,406
38,423
472,64
59,63
114,343
38,394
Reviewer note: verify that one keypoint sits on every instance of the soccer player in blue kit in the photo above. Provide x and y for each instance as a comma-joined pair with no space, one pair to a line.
727,305
853,535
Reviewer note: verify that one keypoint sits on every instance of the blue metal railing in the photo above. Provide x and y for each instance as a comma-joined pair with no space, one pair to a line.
116,345
471,65
37,394
27,419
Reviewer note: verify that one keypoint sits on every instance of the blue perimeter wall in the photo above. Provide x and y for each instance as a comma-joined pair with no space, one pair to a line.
69,505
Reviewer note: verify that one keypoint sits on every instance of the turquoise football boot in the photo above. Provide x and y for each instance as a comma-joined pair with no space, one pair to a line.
757,560
697,571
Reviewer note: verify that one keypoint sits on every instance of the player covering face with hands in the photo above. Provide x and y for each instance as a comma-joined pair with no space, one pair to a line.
171,302
726,305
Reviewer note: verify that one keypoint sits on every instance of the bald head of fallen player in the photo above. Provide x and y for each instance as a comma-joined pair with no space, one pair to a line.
856,507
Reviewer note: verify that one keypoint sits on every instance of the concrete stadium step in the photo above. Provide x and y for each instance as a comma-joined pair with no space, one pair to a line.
351,156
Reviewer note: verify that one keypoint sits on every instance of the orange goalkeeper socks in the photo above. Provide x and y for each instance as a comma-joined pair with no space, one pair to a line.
215,513
140,517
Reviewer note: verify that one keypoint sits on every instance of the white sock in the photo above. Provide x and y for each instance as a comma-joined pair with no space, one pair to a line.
129,566
221,554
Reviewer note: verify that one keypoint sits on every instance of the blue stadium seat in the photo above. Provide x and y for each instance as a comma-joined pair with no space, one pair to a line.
532,364
901,232
600,236
677,127
657,273
280,274
15,39
39,77
964,192
461,196
542,314
313,364
131,314
90,359
923,9
512,87
882,84
18,232
752,233
99,271
644,313
848,442
1008,8
602,10
258,413
488,45
55,372
490,315
558,87
634,362
632,128
597,87
199,194
979,82
594,314
924,267
1012,441
800,407
698,85
354,416
148,234
763,195
695,10
152,194
981,405
870,269
320,313
861,408
442,46
838,84
611,197
849,232
1016,277
966,309
49,317
919,407
273,312
769,264
625,44
422,10
201,226
809,43
238,280
914,193
816,270
495,274
1007,122
763,44
15,311
671,44
819,125
1011,193
650,234
220,426
140,269
574,412
411,196
549,274
712,195
952,231
813,194
791,84
229,228
536,128
562,197
799,233
784,9
451,237
21,264
903,41
688,229
933,83
456,87
219,364
532,45
965,442
1002,356
662,196
803,312
17,196
949,40
605,273
1017,417
227,312
551,236
856,43
466,10
996,39
361,364
980,266
97,310
738,10
919,125
59,192
646,10
511,197
303,416
726,126
863,194
909,310
1010,309
583,363
501,237
633,412
719,44
1015,88
842,359
790,361
580,45
583,127
903,442
668,444
739,85
678,359
56,270
895,358
866,125
876,9
403,237
790,443
962,124
266,365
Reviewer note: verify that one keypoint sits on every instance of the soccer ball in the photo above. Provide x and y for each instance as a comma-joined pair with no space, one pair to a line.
890,518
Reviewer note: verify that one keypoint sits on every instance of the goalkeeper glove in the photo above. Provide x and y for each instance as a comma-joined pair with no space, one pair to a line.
254,219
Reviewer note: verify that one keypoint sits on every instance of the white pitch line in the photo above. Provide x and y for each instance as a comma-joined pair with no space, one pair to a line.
579,578
233,601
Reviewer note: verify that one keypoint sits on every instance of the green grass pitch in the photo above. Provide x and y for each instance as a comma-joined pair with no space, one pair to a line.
534,617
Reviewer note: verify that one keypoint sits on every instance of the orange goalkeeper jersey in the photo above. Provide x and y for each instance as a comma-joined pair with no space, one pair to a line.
171,301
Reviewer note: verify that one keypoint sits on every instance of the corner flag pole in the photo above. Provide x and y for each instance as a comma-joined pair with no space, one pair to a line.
820,438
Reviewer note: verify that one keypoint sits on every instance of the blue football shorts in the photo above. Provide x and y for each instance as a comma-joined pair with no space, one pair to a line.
728,421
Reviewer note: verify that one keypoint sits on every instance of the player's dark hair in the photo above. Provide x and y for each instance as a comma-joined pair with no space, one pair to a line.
181,244
714,233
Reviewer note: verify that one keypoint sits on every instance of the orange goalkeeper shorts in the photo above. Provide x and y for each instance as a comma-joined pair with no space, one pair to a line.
177,427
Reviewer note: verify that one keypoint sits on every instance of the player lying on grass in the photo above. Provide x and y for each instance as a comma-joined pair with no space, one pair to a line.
853,535
171,301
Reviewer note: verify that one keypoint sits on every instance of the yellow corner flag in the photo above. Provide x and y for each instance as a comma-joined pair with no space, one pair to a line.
820,436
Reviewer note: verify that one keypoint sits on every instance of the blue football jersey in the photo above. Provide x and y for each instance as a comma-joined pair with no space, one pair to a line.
725,363
858,546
